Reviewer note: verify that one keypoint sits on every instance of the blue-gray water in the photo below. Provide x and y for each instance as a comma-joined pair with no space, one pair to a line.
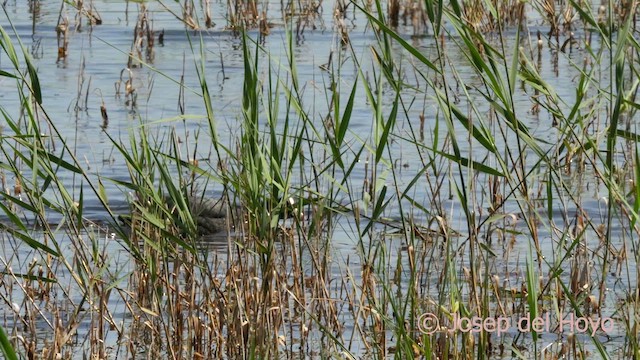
97,56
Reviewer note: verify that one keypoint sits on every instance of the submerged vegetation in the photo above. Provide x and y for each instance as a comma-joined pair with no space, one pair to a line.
433,191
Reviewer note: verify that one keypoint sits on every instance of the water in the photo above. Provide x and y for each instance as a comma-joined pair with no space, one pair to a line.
97,61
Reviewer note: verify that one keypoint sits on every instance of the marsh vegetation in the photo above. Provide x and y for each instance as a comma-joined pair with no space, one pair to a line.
386,173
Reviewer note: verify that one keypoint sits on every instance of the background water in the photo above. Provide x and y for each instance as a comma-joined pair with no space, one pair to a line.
97,60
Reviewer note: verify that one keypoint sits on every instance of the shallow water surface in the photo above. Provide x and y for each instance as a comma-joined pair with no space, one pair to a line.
75,87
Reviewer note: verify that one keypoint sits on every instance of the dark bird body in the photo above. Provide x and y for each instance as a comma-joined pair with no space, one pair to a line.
210,215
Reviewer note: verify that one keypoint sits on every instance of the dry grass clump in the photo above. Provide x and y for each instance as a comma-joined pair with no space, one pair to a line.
143,39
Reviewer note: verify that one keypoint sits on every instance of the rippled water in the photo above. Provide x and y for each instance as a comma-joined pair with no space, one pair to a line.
97,57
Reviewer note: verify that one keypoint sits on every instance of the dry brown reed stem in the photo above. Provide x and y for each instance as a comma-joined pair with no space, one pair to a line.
418,18
42,304
190,22
79,5
181,97
247,308
188,14
474,14
307,13
79,105
394,12
410,15
510,12
207,14
567,17
243,13
93,15
129,89
62,30
264,25
143,39
624,9
250,310
104,114
339,18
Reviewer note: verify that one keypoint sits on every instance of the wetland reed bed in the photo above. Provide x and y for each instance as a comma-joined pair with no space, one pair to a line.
442,180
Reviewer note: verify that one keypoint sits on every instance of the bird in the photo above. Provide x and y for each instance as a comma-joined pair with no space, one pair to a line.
210,215
213,215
